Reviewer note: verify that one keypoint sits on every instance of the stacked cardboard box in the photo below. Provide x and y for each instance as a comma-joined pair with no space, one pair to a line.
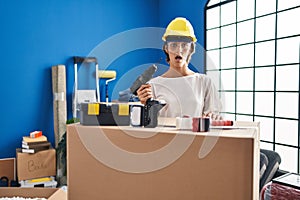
36,161
32,169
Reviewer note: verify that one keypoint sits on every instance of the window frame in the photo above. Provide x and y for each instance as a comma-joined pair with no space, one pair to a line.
257,67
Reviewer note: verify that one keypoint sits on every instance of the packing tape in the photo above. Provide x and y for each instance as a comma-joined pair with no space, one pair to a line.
184,123
58,96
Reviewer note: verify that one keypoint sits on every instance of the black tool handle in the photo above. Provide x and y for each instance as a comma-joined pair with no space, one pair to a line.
78,59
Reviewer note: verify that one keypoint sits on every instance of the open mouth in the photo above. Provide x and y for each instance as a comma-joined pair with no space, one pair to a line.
178,58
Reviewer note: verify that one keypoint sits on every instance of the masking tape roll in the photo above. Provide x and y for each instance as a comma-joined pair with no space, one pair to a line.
184,123
58,96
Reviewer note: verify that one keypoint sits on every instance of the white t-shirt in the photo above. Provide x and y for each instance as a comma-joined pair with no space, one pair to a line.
192,95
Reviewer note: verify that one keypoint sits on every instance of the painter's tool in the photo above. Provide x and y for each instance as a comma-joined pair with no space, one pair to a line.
110,75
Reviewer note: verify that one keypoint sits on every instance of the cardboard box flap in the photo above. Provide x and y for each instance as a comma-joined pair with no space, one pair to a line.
50,193
59,195
7,168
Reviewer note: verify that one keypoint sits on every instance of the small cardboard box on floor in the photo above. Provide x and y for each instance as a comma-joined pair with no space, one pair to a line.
36,165
8,168
30,166
48,193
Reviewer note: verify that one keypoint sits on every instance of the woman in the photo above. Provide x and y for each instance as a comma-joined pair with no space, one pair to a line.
186,93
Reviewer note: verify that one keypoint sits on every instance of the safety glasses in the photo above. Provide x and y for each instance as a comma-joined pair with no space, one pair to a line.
179,46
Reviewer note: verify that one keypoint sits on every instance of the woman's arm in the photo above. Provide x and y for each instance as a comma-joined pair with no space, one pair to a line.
212,103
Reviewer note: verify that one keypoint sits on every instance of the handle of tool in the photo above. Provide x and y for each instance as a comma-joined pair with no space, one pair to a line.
78,59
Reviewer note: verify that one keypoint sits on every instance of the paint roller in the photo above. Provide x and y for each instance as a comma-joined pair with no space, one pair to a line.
110,75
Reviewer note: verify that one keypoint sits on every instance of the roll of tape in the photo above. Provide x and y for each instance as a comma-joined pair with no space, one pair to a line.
59,96
221,123
200,124
184,123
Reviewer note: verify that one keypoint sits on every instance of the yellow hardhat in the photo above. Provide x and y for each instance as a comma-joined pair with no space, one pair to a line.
180,26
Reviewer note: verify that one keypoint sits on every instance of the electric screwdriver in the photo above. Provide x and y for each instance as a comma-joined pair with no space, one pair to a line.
143,79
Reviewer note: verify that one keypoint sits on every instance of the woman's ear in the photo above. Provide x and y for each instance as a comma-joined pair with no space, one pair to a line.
192,49
165,48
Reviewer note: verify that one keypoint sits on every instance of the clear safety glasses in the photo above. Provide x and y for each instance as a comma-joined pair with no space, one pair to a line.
178,46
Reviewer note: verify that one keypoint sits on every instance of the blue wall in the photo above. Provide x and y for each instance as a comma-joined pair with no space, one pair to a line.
36,35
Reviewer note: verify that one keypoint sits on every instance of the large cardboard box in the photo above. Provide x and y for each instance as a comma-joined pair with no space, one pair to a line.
49,193
125,163
36,165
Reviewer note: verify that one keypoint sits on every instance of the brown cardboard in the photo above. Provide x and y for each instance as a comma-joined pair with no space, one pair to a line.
7,168
49,193
229,171
40,164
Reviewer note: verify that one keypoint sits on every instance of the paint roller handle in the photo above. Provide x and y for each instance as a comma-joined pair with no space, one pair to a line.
78,59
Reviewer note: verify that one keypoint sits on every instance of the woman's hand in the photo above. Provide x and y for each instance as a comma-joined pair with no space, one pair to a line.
213,116
144,93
